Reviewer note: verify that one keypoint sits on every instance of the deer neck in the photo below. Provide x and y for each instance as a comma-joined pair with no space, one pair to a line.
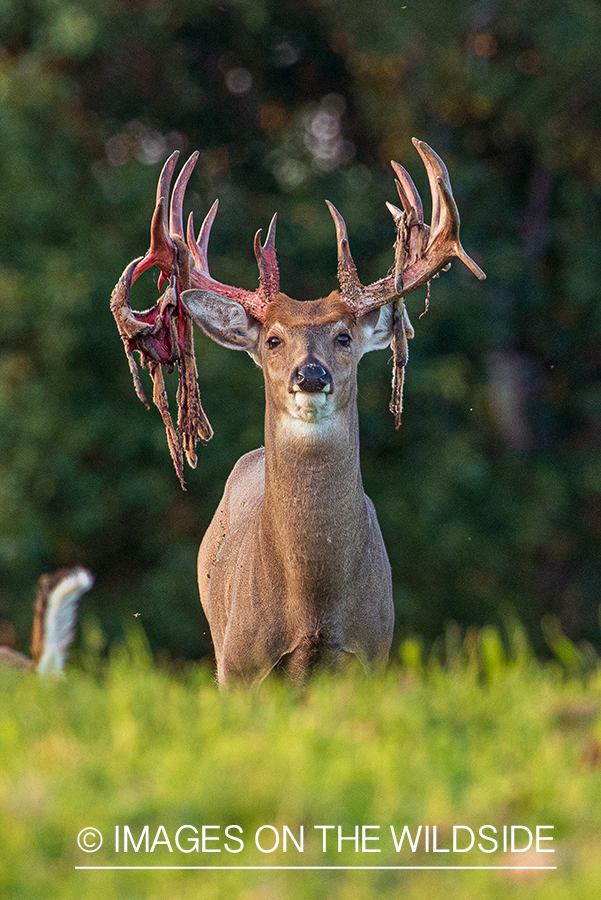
314,517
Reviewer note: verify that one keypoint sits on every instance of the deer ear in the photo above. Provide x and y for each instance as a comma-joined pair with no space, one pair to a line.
225,321
377,328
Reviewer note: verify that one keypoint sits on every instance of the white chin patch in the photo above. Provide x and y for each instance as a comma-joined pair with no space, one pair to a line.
311,407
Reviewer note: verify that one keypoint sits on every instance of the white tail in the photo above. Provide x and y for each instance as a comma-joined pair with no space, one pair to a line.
54,618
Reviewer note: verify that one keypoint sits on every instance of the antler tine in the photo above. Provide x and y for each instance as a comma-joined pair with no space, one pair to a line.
164,183
270,239
176,221
161,246
350,286
421,251
415,232
407,191
199,248
395,212
159,229
436,170
341,233
255,302
269,273
450,205
445,215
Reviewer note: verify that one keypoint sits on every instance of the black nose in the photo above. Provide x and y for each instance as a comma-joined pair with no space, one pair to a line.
311,377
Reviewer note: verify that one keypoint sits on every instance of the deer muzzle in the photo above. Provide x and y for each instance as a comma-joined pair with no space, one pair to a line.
312,378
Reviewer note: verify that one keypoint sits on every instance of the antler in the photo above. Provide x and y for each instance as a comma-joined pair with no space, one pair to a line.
421,251
163,335
255,302
167,231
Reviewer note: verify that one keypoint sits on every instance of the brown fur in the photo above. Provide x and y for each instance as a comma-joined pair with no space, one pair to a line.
14,660
293,569
291,313
46,585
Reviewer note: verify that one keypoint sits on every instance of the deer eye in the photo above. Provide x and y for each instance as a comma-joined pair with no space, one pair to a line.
343,339
273,342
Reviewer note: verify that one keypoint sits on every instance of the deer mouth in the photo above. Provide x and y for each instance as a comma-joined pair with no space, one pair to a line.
312,406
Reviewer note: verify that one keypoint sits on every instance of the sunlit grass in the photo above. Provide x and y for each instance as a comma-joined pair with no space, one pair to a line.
476,733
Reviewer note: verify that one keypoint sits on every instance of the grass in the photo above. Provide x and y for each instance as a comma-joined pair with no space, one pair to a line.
482,735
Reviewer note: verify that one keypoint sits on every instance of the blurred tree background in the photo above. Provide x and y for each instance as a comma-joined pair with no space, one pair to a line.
489,495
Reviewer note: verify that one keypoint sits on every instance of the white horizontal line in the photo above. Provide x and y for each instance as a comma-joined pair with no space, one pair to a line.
319,868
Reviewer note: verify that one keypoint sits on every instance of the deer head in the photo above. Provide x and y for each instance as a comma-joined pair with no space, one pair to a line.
235,317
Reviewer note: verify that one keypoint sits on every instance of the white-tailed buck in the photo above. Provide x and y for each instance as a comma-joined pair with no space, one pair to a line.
293,569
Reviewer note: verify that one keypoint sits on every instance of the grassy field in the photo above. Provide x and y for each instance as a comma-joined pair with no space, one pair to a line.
484,736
